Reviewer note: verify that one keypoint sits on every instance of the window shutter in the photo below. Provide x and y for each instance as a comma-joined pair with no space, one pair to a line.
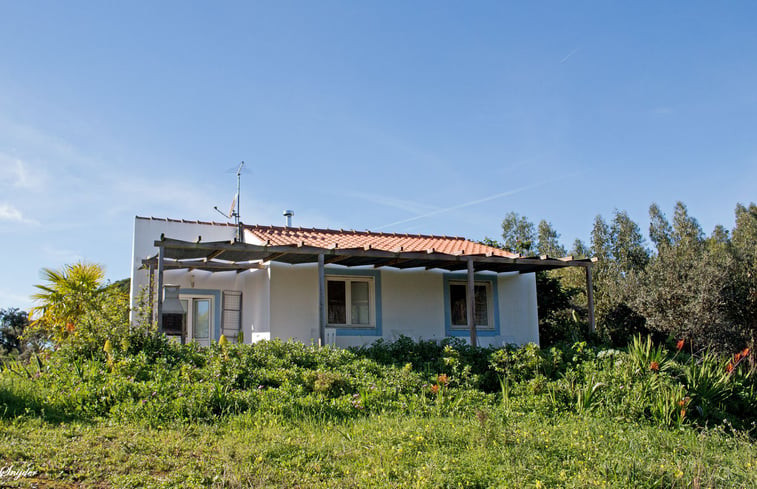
232,314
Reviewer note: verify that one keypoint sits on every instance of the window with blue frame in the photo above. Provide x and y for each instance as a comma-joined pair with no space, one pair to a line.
458,305
485,300
351,301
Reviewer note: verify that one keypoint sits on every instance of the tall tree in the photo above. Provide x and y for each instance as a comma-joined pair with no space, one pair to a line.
580,250
600,240
686,289
518,234
547,240
659,228
686,229
744,249
627,244
621,255
13,321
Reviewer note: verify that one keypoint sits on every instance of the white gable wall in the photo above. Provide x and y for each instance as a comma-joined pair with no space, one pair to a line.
253,283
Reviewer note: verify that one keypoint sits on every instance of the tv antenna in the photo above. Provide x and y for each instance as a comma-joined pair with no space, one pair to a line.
234,207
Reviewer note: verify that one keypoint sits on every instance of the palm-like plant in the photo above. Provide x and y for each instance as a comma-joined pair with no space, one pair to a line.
67,294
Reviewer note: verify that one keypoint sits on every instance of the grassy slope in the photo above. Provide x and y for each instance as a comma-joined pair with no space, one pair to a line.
484,450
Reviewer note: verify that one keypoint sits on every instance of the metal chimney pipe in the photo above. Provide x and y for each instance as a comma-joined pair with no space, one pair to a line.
288,214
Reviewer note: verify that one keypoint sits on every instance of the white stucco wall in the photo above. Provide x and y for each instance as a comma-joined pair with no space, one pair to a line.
282,300
147,231
253,283
518,312
412,304
294,302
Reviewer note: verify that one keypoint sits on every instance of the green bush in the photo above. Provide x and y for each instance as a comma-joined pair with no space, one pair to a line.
148,379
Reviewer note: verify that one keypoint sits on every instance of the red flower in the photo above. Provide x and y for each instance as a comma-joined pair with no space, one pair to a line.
435,389
69,327
740,356
443,379
654,366
679,345
729,367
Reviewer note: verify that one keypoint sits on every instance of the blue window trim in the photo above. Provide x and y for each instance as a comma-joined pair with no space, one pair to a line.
216,307
351,272
478,277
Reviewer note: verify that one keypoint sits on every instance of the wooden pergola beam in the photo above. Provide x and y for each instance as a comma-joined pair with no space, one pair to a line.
335,259
202,265
264,251
213,255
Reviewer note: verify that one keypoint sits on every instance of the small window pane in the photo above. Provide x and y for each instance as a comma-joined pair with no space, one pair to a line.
337,302
482,313
359,297
201,318
457,304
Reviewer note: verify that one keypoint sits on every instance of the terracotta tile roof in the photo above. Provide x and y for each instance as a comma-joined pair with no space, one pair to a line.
330,238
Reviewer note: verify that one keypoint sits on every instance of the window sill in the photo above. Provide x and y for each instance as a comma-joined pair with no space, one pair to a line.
466,328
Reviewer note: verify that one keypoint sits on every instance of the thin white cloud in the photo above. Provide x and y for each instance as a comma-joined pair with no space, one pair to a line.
389,201
23,179
465,204
15,173
11,214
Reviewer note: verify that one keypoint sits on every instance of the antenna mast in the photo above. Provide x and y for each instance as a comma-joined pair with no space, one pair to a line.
234,212
239,185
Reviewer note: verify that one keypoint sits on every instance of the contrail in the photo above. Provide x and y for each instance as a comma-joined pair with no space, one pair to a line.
466,204
568,56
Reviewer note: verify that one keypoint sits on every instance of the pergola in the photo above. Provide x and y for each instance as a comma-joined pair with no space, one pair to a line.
220,256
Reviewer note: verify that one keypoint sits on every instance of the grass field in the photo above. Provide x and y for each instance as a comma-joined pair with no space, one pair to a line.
483,450
406,414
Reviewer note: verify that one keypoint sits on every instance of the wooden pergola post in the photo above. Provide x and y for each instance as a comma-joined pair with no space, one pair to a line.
471,304
161,253
321,301
151,291
590,297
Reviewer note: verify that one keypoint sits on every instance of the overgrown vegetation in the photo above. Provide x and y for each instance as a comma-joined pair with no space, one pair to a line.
411,401
688,285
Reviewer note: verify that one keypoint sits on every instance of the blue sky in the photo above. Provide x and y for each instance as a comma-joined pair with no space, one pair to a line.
435,117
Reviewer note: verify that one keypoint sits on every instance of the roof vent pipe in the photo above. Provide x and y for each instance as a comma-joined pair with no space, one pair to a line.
289,214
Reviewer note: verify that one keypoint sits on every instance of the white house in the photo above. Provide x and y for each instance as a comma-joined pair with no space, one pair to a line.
332,286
